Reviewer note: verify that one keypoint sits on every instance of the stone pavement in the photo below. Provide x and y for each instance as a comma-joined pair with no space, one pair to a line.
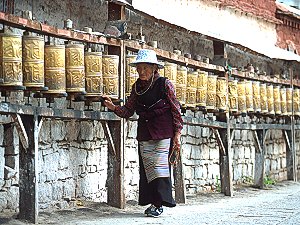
276,205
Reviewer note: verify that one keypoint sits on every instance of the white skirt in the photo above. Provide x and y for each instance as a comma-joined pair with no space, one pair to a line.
155,155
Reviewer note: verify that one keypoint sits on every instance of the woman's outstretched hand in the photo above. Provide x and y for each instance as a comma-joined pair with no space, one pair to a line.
176,141
108,103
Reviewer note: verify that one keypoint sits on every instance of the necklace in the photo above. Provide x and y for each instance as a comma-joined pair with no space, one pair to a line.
143,92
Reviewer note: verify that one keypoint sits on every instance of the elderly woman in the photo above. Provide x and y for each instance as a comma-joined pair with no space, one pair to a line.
159,129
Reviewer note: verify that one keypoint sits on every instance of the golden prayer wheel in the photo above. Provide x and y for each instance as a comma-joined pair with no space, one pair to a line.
296,99
191,88
161,71
256,96
170,71
55,74
211,92
93,73
110,67
283,101
263,98
289,100
233,95
270,99
201,93
11,60
277,100
241,87
131,74
75,68
33,61
221,93
249,96
181,83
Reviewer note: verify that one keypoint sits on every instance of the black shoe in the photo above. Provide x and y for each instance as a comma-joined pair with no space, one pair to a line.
153,211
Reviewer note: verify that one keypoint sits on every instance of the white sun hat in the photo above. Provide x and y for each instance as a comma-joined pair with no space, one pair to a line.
146,56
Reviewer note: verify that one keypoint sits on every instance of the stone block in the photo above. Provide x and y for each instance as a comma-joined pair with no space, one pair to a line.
195,152
2,163
214,153
237,172
9,173
189,172
204,151
86,130
132,129
45,132
213,171
45,192
200,172
244,135
3,200
13,198
247,153
57,191
205,132
1,134
12,161
93,158
58,130
69,188
191,131
283,162
73,129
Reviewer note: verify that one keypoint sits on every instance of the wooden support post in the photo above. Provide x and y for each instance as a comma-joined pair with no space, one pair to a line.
115,178
259,171
180,191
28,160
225,160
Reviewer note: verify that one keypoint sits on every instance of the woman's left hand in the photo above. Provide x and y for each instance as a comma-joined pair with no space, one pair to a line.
176,141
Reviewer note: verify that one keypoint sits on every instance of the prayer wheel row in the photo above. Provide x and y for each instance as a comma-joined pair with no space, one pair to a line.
27,61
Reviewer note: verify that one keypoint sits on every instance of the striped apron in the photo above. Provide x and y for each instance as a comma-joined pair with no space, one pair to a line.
155,155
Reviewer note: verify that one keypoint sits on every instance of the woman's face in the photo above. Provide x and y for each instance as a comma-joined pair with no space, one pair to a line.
145,70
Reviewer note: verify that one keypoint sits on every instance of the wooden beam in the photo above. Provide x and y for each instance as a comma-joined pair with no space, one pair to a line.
259,169
220,141
109,137
28,162
178,173
21,130
290,164
287,139
257,143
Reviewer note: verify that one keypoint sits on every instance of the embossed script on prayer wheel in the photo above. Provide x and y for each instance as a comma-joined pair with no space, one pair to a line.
170,72
33,61
263,98
211,92
277,101
181,82
289,102
221,93
256,96
270,99
249,96
283,101
162,71
75,68
110,67
191,89
11,60
233,95
55,74
242,97
131,74
296,96
93,73
201,94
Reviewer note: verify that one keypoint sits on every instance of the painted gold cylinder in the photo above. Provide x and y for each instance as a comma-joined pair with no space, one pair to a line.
289,100
233,95
221,94
270,99
75,68
162,71
170,72
201,93
249,96
33,61
256,96
263,98
181,83
93,73
296,96
55,74
277,101
283,101
191,88
296,101
211,92
241,87
131,74
11,60
110,67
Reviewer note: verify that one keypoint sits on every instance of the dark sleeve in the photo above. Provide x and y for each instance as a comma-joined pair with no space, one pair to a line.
175,106
128,109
